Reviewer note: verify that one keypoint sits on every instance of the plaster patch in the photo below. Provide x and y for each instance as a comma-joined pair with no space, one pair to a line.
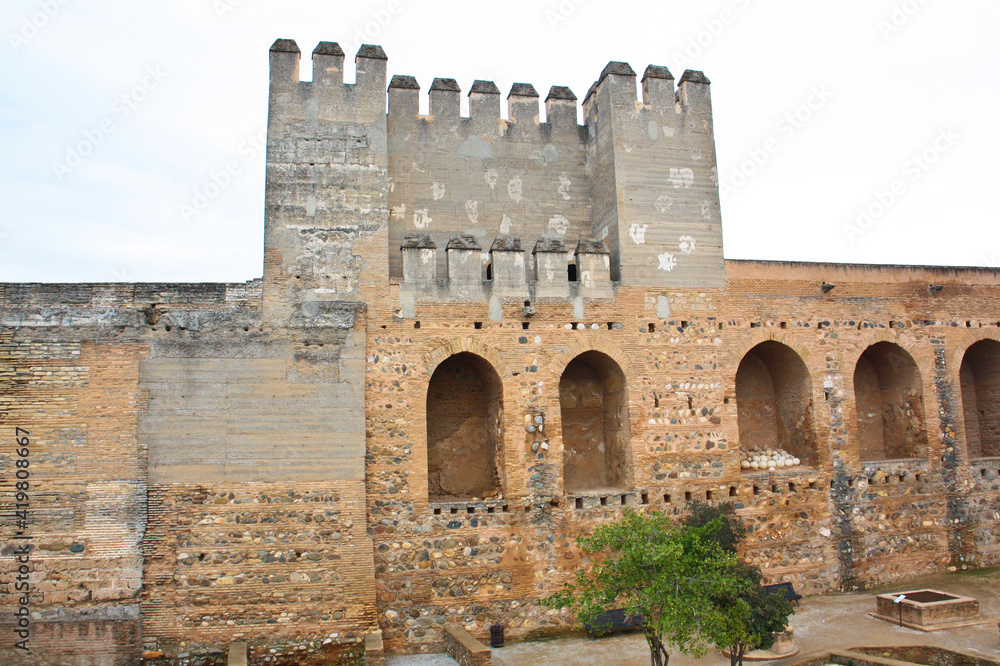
564,183
667,262
664,203
514,189
505,225
472,210
653,130
637,232
681,178
311,206
421,220
438,190
687,244
491,178
398,212
559,224
706,210
476,147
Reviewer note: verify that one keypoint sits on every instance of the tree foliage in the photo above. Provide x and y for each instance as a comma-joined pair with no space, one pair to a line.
674,576
768,612
686,581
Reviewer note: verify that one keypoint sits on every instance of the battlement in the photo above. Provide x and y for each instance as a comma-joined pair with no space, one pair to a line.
550,270
327,88
360,160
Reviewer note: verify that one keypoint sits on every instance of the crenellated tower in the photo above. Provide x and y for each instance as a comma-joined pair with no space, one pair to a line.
654,177
327,184
363,190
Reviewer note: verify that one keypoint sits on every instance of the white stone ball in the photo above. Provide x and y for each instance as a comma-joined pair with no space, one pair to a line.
770,463
779,463
755,465
745,465
796,461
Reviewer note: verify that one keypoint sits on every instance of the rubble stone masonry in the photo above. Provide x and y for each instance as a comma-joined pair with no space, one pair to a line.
475,340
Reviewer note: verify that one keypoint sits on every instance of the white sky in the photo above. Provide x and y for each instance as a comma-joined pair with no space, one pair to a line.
888,79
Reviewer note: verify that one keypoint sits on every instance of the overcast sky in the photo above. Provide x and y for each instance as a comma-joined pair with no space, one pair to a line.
860,131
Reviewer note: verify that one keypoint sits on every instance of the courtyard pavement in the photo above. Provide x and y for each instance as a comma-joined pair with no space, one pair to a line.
834,621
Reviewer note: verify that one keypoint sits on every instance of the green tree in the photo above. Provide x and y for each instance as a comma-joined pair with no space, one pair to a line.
768,613
673,576
730,530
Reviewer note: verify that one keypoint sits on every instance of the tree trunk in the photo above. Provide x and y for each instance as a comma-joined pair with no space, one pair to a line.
658,656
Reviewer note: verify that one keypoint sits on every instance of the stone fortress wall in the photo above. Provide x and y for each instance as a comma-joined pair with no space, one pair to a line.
476,339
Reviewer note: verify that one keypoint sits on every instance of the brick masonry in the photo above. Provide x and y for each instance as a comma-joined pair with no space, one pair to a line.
281,462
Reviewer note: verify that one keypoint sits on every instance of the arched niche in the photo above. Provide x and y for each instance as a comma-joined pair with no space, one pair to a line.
774,402
980,379
888,397
593,399
464,436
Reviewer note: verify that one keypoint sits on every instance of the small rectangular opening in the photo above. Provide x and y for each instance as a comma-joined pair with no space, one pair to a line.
579,502
604,501
756,490
982,472
666,499
416,324
652,327
755,324
437,511
886,480
526,325
850,483
477,325
454,510
687,495
902,478
624,500
471,509
791,487
732,491
504,508
774,488
709,495
490,509
783,325
917,477
611,325
644,498
684,323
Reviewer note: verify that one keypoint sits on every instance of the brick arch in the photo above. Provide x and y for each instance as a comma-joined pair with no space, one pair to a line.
748,341
890,395
922,354
563,358
595,424
774,400
961,341
491,354
978,388
463,418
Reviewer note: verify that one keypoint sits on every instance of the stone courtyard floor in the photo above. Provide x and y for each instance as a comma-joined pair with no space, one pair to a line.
835,621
